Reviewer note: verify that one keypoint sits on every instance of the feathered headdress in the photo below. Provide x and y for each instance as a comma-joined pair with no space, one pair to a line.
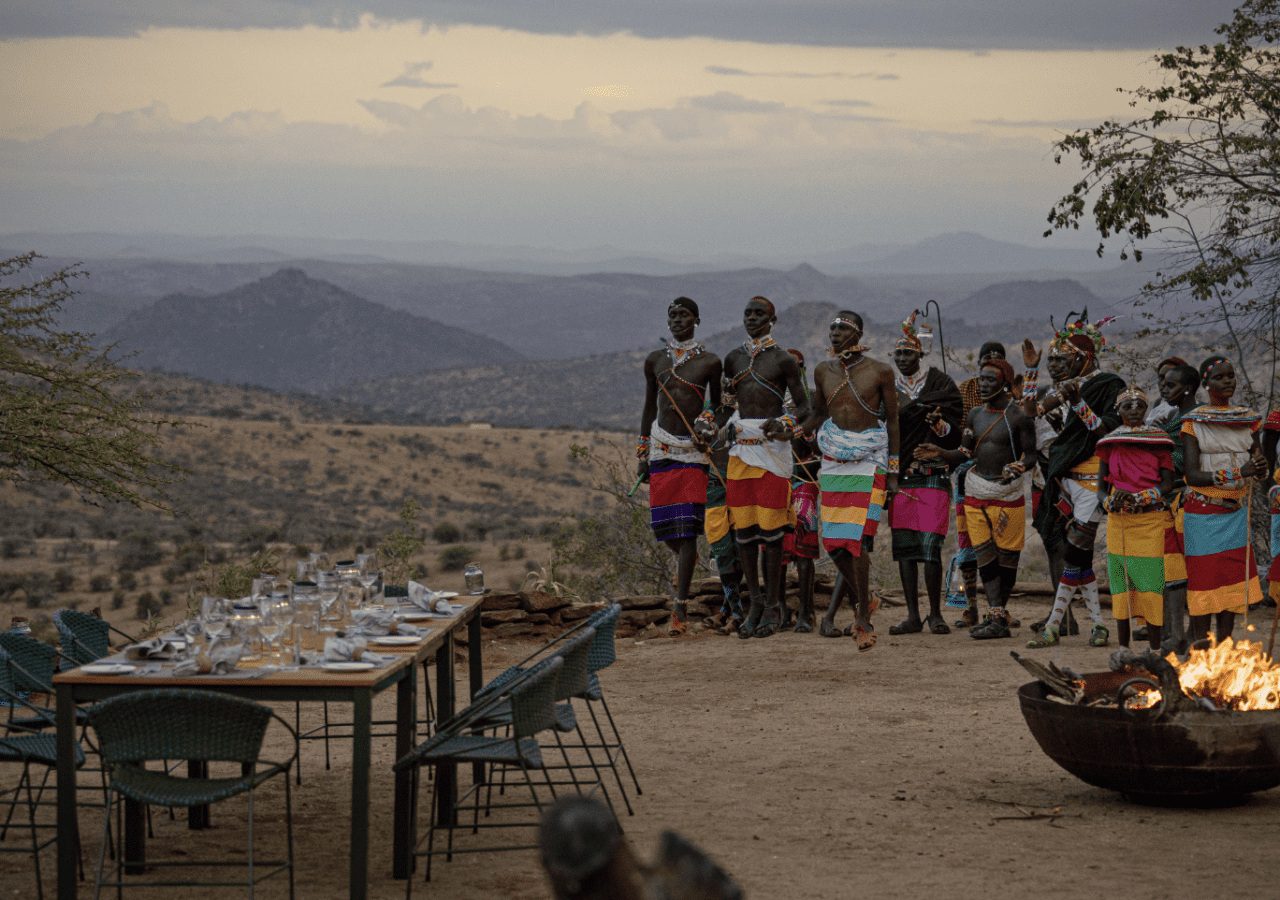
910,339
1079,335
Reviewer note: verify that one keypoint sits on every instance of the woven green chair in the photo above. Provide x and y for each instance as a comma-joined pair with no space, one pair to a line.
83,638
203,726
28,748
533,711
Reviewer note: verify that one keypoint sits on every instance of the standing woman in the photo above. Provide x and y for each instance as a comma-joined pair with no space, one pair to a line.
1221,455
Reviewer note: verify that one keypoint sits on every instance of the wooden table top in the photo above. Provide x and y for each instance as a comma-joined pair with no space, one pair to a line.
436,631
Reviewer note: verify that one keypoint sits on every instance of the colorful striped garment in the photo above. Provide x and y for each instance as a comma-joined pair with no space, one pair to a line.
1136,563
677,499
1222,574
852,482
759,503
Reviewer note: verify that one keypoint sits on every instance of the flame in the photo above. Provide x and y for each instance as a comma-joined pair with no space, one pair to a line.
1231,675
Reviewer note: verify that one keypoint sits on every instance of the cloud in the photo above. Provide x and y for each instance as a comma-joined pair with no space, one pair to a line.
967,24
708,172
1058,124
731,72
848,104
724,101
411,77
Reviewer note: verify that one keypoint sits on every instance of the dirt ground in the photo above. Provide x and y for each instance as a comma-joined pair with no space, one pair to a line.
808,769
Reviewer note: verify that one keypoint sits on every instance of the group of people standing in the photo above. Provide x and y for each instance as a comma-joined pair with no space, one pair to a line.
766,465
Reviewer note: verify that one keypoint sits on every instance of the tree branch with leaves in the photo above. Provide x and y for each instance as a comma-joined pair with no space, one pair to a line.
1197,175
69,414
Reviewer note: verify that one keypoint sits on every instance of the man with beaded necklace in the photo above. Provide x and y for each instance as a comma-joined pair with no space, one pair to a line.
1070,508
760,375
682,385
855,412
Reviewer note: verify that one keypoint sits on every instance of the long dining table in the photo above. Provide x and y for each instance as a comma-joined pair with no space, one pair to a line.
306,685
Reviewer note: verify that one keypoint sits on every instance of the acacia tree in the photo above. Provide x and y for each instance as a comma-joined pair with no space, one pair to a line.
68,413
1198,175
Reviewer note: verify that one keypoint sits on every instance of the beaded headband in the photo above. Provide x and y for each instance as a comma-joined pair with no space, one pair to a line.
1132,392
841,320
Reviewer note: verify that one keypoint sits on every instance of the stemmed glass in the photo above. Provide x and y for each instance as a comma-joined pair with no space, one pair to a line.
214,614
369,573
269,624
328,585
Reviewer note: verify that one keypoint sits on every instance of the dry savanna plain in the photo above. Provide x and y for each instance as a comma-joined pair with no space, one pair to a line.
805,768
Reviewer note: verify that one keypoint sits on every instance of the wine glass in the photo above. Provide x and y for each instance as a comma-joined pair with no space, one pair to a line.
369,573
214,614
328,585
270,624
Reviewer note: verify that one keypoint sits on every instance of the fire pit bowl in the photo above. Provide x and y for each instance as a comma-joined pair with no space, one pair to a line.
1192,757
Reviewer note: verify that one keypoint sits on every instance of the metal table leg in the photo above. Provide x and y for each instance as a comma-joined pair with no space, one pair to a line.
446,773
404,816
361,718
68,822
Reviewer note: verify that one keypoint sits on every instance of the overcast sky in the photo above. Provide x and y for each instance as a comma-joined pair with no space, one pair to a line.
694,126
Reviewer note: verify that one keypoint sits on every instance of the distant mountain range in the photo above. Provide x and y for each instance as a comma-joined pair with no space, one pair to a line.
289,332
954,253
605,391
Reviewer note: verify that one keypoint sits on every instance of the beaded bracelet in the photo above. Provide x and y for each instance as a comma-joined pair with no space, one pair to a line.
642,446
706,416
1029,378
894,464
941,428
787,421
1086,415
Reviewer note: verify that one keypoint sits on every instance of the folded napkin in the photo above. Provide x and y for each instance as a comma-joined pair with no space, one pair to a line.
351,649
380,623
219,659
426,599
156,648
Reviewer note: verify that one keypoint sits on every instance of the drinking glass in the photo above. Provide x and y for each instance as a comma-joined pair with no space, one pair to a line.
269,625
246,620
262,585
369,573
328,585
214,613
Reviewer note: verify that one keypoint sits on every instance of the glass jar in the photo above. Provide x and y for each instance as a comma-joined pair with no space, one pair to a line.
473,578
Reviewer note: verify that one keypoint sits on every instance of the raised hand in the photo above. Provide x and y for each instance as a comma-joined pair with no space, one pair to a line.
1030,354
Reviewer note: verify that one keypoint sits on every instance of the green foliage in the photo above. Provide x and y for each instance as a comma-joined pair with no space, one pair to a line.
446,533
138,550
99,584
396,550
1195,175
613,551
232,579
68,414
455,558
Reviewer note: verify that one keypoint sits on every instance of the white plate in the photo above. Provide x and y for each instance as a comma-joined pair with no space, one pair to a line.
108,669
348,666
397,640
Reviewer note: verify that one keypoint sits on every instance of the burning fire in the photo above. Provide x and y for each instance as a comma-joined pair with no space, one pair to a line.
1231,675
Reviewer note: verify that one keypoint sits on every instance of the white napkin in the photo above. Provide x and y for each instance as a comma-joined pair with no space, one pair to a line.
352,649
428,600
379,623
219,659
156,648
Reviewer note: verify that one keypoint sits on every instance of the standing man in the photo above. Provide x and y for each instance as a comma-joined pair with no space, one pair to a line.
720,540
1000,439
965,558
760,374
929,410
1071,509
679,382
856,413
801,546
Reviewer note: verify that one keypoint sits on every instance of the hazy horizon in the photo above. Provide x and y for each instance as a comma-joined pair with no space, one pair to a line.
702,128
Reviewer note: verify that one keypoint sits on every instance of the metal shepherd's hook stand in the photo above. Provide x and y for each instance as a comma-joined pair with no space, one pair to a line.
942,346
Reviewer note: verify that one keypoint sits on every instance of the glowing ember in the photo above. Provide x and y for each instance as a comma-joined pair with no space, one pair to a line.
1231,675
